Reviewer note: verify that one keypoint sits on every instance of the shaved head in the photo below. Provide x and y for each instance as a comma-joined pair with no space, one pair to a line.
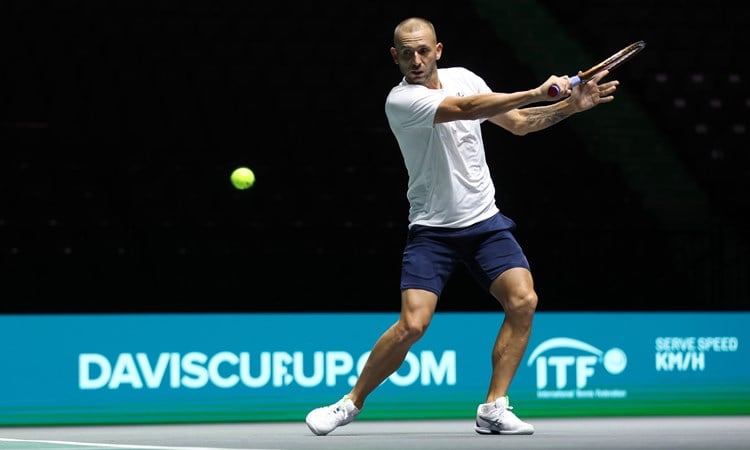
411,25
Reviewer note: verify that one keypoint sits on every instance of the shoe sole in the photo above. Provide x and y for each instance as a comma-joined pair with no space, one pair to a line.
483,430
315,430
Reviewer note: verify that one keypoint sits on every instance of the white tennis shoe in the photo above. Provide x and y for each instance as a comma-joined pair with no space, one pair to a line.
325,419
497,418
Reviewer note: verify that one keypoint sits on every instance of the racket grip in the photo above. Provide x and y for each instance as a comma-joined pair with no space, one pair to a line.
554,90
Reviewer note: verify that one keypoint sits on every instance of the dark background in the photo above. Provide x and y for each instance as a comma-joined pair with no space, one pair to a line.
122,120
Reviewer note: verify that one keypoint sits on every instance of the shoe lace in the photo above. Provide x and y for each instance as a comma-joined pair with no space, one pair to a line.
495,415
338,408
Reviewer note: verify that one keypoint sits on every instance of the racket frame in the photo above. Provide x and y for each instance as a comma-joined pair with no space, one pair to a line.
608,64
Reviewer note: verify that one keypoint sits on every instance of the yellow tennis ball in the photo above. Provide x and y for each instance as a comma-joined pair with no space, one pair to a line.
243,178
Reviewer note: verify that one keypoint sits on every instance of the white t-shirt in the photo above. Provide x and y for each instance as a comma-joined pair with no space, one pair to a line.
449,180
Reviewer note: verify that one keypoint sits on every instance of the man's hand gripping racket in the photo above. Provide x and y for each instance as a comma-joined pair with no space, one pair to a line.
608,64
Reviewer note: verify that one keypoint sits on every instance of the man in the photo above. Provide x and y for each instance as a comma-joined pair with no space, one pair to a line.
435,115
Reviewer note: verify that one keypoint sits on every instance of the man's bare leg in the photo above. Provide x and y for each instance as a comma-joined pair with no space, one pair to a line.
417,309
514,289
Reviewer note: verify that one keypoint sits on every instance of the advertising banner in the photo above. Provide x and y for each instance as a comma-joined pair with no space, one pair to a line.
162,368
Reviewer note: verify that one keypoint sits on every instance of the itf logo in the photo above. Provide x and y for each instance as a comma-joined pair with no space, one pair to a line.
570,364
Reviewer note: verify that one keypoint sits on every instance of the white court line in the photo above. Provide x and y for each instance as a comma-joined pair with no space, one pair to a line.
105,446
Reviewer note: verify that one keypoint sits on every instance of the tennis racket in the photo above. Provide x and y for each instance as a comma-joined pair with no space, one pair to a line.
608,64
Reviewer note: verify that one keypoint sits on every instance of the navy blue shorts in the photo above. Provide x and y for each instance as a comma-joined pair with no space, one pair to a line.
487,249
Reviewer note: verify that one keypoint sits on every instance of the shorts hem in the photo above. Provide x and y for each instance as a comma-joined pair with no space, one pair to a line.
424,288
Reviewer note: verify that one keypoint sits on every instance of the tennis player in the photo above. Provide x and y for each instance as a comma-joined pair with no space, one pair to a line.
435,115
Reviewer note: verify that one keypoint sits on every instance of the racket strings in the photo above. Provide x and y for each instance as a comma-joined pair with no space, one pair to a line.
629,53
614,60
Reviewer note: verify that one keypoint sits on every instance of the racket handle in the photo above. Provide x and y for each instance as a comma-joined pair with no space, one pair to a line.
554,90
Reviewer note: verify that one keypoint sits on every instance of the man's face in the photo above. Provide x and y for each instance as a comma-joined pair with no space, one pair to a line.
417,54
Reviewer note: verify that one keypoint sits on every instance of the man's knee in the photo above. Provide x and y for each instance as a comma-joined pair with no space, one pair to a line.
522,304
411,329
